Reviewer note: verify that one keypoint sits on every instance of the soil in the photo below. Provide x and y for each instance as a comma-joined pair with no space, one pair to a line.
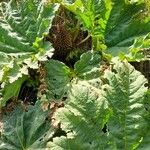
67,38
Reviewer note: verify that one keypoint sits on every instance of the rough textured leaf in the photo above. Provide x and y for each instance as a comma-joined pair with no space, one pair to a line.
88,67
109,22
62,143
59,76
24,130
145,144
125,95
23,25
21,22
57,79
87,111
83,118
22,28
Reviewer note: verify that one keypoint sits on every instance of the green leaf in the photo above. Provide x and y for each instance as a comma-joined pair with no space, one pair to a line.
83,119
57,78
88,67
21,22
11,91
62,143
89,11
109,22
23,25
119,104
145,144
125,94
25,130
140,49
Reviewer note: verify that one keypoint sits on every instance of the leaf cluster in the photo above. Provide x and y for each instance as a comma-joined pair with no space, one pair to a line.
100,102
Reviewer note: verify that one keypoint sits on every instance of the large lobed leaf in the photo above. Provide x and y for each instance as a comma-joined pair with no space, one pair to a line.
88,67
25,129
23,25
83,119
126,94
62,143
145,144
59,77
119,104
22,21
113,23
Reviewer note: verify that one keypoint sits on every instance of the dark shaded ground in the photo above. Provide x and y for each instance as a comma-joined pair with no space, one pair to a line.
67,38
